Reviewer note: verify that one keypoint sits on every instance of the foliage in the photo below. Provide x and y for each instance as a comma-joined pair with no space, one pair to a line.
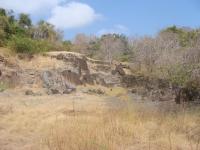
23,37
179,74
186,35
24,20
3,86
67,45
28,45
2,12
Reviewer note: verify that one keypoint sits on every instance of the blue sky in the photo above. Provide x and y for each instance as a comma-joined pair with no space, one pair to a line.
131,17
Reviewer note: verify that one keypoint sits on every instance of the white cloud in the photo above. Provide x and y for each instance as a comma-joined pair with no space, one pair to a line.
64,14
73,15
118,29
32,7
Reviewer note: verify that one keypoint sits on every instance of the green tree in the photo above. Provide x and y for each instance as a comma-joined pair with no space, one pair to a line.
67,45
2,12
45,30
25,21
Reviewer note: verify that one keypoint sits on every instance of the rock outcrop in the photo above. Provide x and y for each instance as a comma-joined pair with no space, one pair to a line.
75,69
9,72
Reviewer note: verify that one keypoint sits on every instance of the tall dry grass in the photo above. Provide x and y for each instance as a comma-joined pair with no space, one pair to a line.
133,127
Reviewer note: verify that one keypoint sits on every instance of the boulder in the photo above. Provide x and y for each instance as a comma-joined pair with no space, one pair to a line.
54,91
68,91
31,93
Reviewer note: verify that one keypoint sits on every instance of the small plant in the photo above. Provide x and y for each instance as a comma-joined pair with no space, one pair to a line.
3,87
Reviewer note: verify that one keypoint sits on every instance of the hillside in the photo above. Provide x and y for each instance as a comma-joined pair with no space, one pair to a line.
78,75
62,72
64,100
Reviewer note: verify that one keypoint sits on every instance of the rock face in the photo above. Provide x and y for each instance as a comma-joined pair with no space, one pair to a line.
119,69
9,72
76,69
60,82
155,89
89,71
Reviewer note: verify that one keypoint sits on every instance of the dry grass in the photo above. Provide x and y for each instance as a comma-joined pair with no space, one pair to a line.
132,127
114,92
85,122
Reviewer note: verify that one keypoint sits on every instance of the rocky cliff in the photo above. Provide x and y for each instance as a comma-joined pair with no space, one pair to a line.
62,72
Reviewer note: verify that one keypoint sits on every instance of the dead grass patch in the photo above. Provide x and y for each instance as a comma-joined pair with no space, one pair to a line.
132,127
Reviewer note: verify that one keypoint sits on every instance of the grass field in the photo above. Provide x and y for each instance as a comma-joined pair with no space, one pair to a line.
81,121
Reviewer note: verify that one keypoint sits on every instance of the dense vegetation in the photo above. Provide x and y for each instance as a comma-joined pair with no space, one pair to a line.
24,37
173,54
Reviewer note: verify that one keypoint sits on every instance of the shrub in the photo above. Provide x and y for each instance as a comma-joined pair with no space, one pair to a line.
28,45
179,74
2,38
3,86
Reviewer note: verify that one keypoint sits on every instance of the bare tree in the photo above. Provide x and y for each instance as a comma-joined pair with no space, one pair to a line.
111,47
81,43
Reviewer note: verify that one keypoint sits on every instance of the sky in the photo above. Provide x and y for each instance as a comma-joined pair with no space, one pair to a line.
97,17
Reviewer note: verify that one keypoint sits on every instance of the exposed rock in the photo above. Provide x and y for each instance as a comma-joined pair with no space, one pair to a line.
54,91
88,79
103,68
79,61
96,91
71,77
68,91
76,69
27,57
2,59
101,81
11,78
82,65
119,69
134,91
60,82
113,72
29,92
60,57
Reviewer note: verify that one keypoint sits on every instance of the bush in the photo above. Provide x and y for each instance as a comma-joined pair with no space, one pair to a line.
28,45
179,74
3,86
2,38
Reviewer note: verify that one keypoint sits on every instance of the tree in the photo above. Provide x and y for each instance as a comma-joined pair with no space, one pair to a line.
45,30
113,46
67,45
5,30
25,21
81,43
2,12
